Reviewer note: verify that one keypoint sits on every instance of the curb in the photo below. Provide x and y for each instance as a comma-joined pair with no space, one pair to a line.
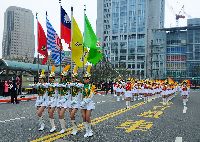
19,99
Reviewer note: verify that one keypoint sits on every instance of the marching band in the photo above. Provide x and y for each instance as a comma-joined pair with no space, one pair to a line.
73,96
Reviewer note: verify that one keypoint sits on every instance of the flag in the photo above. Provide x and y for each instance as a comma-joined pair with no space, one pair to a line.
90,41
54,44
77,46
42,43
65,26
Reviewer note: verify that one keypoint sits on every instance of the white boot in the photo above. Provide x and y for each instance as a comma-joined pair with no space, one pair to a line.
129,104
86,129
90,132
184,102
118,98
62,123
53,127
41,121
184,109
75,129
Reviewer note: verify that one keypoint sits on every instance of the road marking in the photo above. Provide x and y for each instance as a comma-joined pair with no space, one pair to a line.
178,139
151,114
11,119
140,125
57,135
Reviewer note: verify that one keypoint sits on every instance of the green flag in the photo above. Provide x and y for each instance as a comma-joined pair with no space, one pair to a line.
90,41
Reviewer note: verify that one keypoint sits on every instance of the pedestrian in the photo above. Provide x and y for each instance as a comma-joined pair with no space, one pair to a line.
111,86
1,88
87,105
18,83
6,89
13,91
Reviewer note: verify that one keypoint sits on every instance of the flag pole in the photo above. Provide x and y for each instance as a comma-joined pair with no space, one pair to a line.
83,38
71,38
60,40
37,47
48,63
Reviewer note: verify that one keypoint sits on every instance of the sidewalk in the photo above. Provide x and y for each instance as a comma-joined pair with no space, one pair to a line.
25,97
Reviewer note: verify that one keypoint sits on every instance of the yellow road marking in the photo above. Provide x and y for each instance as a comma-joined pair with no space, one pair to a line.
151,114
162,107
57,135
140,125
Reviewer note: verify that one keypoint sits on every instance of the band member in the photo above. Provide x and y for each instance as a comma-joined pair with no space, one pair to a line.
128,93
118,90
52,96
87,104
63,98
185,95
41,101
76,89
164,93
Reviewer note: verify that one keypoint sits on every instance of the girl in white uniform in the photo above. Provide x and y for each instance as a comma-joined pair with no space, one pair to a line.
53,98
63,98
87,105
118,90
185,95
76,89
41,101
128,93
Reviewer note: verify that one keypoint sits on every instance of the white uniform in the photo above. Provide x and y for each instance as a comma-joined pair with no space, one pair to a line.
42,94
52,95
87,103
75,97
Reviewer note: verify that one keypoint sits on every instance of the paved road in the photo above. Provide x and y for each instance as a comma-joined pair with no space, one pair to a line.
143,122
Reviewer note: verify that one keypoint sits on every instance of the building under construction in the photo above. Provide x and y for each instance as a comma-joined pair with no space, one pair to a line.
175,52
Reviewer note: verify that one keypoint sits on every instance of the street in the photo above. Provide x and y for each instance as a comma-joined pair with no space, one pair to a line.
112,122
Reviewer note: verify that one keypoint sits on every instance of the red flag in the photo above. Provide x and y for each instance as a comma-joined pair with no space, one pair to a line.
65,26
42,43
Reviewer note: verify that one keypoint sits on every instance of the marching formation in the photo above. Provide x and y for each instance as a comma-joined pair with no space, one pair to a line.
65,95
148,90
73,95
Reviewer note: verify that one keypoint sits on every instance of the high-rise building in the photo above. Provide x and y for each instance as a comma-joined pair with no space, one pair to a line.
193,49
124,28
18,35
181,48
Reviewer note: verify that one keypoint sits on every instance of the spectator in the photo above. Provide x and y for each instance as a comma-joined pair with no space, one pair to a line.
111,87
18,83
1,88
13,91
6,87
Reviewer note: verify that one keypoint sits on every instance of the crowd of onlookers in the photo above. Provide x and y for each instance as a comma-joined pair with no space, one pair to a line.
11,87
104,86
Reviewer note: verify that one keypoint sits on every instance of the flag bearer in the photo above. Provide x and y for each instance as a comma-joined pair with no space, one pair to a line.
63,102
76,90
41,101
53,98
87,104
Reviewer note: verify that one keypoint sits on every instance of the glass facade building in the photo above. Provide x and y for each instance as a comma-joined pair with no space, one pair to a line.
122,27
18,35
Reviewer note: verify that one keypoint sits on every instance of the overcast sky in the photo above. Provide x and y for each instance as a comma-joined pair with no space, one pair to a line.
52,7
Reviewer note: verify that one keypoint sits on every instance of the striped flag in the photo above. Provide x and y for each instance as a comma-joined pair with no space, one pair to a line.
54,43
